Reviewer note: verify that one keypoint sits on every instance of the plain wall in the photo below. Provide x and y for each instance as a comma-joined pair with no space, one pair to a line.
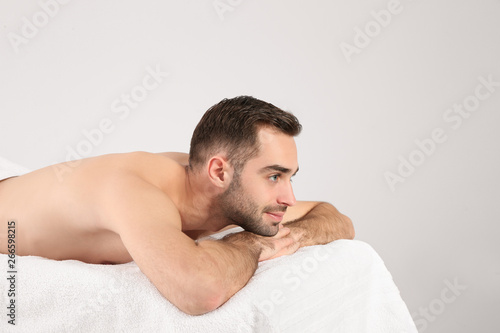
368,80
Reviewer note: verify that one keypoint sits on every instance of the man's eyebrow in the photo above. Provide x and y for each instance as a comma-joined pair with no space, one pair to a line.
279,168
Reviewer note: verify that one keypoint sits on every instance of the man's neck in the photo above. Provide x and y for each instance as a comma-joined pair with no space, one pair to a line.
197,205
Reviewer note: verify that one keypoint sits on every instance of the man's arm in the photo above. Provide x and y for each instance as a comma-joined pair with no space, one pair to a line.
314,223
197,278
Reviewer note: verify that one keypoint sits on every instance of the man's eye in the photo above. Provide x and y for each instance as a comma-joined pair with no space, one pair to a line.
274,178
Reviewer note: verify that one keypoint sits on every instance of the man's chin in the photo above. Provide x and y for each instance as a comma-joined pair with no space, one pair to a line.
277,227
268,231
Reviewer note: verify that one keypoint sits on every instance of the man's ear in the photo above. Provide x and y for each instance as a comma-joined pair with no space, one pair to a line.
220,171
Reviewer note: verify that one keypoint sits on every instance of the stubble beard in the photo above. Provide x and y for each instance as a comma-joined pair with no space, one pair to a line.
238,208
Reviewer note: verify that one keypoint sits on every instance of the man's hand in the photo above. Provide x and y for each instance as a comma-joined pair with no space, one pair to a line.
314,223
282,243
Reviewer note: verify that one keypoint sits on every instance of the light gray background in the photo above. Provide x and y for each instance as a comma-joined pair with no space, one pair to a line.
438,227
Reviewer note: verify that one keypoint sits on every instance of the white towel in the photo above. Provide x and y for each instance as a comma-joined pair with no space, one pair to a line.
10,169
339,287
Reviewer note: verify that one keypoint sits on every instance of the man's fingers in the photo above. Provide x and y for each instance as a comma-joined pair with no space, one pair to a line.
291,248
282,232
286,245
283,242
280,244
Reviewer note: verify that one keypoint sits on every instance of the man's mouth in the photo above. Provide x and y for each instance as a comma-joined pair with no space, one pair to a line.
276,216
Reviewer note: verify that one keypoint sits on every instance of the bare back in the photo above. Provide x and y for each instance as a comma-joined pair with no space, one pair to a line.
57,209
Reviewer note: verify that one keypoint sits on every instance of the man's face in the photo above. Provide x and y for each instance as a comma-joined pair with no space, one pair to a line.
257,199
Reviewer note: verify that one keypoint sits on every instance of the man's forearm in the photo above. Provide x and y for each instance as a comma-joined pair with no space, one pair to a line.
233,261
321,225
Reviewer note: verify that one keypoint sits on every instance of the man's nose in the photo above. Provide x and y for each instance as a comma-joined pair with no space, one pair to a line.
287,198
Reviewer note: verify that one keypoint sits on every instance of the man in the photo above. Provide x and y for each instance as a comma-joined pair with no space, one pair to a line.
151,208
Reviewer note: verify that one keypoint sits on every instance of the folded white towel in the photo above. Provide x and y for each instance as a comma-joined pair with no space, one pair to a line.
339,287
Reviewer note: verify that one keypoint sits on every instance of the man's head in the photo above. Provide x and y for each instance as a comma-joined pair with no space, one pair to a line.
255,139
231,127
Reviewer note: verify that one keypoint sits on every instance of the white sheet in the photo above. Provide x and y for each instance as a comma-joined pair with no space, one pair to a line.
339,287
10,169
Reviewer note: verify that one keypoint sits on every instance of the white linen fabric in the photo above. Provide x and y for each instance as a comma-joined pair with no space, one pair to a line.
9,169
343,286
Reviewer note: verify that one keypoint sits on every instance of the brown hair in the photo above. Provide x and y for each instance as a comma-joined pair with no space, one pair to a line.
231,126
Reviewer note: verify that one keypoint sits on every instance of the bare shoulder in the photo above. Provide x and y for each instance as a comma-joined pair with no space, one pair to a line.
129,187
113,169
131,202
181,158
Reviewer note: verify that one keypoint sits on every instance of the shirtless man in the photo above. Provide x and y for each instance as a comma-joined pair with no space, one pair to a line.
151,208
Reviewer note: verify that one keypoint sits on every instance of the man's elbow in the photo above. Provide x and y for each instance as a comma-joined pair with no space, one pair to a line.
201,305
343,224
349,227
202,297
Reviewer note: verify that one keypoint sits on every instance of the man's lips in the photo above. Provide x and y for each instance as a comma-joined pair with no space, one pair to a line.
276,216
